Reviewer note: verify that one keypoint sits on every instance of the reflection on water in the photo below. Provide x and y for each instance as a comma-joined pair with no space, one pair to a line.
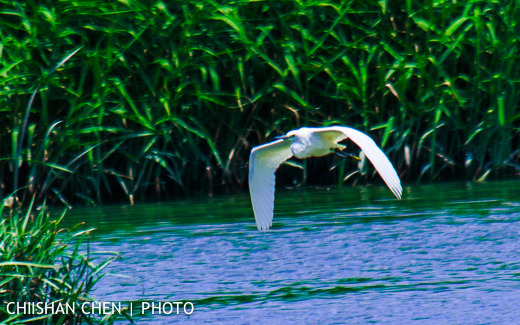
446,253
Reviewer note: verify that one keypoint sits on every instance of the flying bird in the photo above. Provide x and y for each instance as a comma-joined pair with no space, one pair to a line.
305,143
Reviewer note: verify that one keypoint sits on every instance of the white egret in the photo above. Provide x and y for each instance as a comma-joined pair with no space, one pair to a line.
304,143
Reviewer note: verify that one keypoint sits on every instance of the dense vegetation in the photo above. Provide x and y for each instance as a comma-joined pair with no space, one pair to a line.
150,100
41,263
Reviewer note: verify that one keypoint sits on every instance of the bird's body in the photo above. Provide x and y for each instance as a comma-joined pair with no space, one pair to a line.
305,143
310,143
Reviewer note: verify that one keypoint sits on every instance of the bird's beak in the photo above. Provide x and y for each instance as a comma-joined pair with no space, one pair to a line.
281,137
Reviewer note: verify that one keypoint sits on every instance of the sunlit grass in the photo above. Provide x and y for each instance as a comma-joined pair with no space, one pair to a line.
43,263
139,101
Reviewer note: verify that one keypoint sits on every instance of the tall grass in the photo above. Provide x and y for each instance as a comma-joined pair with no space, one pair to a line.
151,100
42,263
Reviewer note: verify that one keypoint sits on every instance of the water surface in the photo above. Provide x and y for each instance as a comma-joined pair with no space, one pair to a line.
446,253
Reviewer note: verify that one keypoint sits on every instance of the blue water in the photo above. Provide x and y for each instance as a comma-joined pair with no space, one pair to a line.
445,254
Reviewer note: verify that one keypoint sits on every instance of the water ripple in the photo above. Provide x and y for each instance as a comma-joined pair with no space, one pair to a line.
334,257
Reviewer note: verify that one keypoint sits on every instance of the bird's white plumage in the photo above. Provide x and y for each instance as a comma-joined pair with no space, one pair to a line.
376,156
304,143
263,162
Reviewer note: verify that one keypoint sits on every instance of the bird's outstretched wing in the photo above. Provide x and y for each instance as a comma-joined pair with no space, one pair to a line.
376,156
263,162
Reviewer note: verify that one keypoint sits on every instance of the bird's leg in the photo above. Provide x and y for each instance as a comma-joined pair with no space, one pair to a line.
346,155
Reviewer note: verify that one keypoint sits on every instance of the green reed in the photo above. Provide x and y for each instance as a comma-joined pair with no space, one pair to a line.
42,262
132,101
